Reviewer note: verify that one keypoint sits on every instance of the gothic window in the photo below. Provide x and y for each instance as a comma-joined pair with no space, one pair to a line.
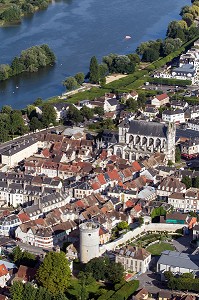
144,141
137,139
158,142
131,139
126,155
151,141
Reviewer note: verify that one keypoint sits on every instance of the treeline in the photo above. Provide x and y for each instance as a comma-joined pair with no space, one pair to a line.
12,121
14,10
112,63
184,282
30,60
178,32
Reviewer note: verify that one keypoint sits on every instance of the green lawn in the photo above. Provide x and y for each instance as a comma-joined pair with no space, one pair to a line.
157,249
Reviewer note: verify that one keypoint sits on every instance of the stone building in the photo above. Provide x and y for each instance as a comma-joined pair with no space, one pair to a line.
139,138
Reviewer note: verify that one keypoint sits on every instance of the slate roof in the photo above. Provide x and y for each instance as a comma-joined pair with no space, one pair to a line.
177,259
147,128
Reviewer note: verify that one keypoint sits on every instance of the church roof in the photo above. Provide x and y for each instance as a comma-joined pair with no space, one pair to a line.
145,128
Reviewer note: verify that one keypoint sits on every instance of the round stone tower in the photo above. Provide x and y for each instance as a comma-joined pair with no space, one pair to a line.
89,241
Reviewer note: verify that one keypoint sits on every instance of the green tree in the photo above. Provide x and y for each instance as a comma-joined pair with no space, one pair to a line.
48,115
187,181
29,292
6,109
177,155
196,182
17,254
71,83
99,111
35,124
97,267
131,104
122,225
54,272
16,290
74,114
87,112
115,272
17,66
5,72
94,70
38,102
80,78
43,294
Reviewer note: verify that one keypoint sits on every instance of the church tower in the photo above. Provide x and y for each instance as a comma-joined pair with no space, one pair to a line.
171,135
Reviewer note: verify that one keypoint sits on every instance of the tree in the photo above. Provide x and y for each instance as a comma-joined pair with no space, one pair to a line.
87,112
29,292
177,155
115,272
6,109
71,83
80,78
94,70
74,114
48,115
188,18
98,110
187,181
16,254
38,102
122,225
5,72
43,294
16,290
35,124
150,55
131,104
196,182
54,272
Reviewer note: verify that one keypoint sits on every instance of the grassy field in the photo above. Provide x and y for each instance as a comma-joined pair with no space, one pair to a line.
157,249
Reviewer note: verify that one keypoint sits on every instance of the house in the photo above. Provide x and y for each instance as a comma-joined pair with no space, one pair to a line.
61,110
25,274
190,146
177,262
160,100
133,259
4,275
141,294
193,124
187,201
169,185
185,72
176,116
176,218
150,112
111,104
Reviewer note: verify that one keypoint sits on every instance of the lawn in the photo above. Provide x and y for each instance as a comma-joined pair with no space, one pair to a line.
157,249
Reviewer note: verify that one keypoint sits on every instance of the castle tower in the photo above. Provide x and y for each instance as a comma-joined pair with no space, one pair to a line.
89,241
171,135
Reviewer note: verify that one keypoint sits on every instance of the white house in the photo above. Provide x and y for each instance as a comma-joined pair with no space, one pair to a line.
160,100
187,201
174,116
4,275
133,259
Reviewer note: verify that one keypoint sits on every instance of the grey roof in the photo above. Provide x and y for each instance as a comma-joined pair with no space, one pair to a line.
148,128
173,112
188,68
112,101
177,259
188,133
17,148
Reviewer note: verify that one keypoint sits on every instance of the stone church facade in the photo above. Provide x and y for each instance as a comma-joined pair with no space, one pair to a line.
139,138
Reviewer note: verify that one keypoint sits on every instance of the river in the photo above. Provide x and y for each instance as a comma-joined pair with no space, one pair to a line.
76,30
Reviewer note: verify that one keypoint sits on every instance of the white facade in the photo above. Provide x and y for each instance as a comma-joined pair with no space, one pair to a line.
89,241
19,152
173,116
188,201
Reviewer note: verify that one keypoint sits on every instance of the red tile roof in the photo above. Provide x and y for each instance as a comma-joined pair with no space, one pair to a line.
161,97
114,175
23,217
136,166
101,179
95,186
3,270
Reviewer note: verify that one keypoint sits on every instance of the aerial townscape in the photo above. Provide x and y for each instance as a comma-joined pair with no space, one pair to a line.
99,186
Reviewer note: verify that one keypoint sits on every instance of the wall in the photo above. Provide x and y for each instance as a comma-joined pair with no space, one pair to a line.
132,234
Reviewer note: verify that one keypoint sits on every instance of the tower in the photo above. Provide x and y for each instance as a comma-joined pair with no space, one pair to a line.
89,241
171,135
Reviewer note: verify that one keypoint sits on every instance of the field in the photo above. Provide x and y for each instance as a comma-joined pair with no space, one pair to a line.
157,249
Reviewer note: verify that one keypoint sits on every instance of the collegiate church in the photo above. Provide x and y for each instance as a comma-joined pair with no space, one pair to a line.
139,138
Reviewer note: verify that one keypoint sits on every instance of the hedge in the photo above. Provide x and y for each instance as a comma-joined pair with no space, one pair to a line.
106,296
169,81
126,290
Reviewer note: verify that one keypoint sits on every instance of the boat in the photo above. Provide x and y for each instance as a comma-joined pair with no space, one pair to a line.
127,37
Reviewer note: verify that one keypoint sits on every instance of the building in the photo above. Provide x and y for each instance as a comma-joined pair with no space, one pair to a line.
193,124
178,263
133,259
4,275
185,72
190,146
187,201
19,152
139,138
176,116
89,241
169,185
160,100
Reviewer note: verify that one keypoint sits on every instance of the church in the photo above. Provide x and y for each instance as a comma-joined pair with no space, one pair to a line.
139,139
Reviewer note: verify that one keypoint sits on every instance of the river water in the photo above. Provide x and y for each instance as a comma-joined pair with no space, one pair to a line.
76,30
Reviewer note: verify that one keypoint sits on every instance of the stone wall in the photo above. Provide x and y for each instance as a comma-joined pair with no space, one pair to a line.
155,227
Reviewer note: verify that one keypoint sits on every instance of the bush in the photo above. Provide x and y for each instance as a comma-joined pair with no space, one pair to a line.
107,295
126,290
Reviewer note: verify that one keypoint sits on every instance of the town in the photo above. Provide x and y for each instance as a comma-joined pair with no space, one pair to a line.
124,196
